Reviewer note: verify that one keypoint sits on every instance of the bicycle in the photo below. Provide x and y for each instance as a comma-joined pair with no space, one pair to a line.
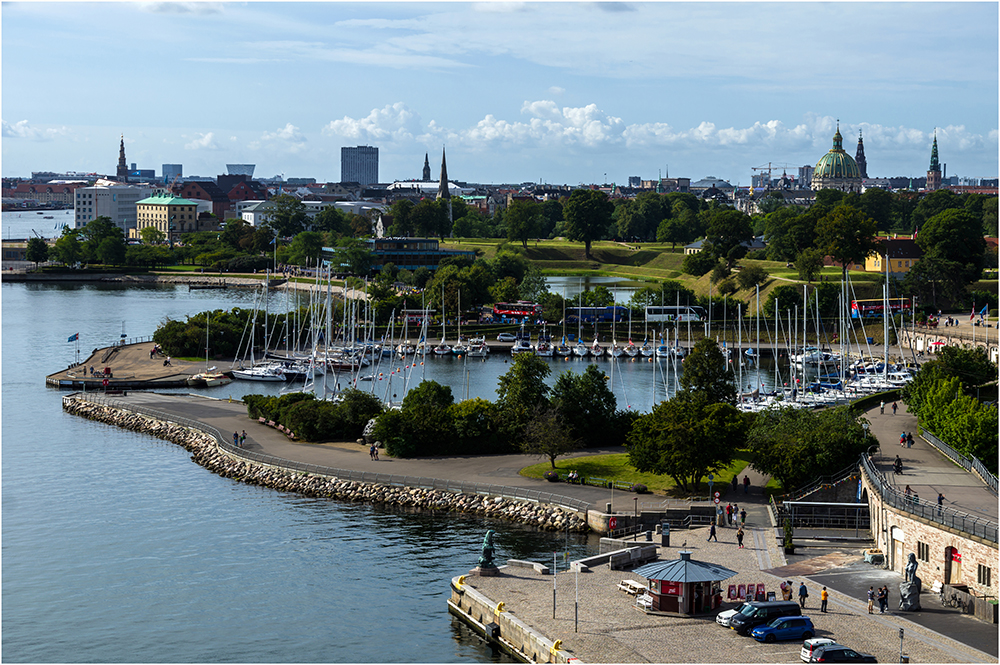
951,601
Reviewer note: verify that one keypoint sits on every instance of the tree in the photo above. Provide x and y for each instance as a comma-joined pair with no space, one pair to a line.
728,231
477,428
877,204
151,235
796,445
546,433
588,215
111,251
809,264
429,423
354,256
786,297
288,215
751,276
698,263
586,404
429,218
706,371
332,220
93,236
37,251
970,366
686,437
847,235
934,204
955,240
67,248
524,220
520,390
533,286
552,214
790,231
306,248
399,212
505,290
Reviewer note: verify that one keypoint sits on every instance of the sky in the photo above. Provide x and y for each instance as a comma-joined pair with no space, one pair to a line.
554,92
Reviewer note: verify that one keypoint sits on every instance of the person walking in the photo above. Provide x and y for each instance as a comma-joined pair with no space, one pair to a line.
712,534
376,451
885,590
736,481
803,594
881,600
824,596
739,537
881,407
940,502
909,439
243,439
236,439
371,451
746,484
743,517
871,600
893,408
729,514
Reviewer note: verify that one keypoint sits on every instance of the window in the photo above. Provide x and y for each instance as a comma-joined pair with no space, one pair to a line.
923,551
984,575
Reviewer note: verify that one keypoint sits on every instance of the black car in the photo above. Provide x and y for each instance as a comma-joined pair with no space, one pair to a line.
838,653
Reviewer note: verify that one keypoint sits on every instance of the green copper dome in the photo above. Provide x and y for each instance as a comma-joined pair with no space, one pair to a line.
837,163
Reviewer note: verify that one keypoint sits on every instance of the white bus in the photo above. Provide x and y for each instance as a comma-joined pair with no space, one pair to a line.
674,313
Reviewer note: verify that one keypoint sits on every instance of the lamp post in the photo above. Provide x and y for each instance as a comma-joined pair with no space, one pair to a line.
170,231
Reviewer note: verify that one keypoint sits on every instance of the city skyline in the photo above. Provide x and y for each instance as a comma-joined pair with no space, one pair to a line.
542,92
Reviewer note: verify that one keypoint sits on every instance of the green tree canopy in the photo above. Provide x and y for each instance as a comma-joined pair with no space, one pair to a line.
847,235
306,248
520,390
524,220
288,216
586,405
707,372
151,235
686,437
37,251
588,215
547,433
726,234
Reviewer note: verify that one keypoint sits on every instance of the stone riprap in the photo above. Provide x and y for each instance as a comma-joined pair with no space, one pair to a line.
205,451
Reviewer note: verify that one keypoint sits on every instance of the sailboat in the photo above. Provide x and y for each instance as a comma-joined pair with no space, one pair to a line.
580,349
459,348
631,350
523,343
563,349
544,347
442,349
209,377
615,351
596,349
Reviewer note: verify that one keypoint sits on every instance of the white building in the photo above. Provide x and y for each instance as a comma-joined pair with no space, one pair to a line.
256,213
115,201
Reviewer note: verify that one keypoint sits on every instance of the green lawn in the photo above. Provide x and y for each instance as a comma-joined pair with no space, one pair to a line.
616,467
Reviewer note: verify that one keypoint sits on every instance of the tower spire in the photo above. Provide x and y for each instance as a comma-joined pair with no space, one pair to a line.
443,191
934,170
427,169
122,166
859,156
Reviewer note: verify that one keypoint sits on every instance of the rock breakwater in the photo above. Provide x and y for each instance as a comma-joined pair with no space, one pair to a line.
205,451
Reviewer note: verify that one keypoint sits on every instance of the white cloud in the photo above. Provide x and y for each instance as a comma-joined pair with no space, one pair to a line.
22,130
287,133
203,142
183,7
556,90
392,123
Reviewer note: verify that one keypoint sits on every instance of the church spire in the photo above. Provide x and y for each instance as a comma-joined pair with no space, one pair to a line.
935,164
934,171
859,156
122,166
443,191
427,169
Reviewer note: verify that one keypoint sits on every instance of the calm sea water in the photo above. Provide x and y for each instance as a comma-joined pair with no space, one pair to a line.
117,548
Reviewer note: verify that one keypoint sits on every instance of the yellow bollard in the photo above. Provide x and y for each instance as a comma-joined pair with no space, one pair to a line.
498,610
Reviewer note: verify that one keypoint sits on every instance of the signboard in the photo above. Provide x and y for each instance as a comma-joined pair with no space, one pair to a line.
717,495
761,592
956,556
741,592
670,588
717,499
732,592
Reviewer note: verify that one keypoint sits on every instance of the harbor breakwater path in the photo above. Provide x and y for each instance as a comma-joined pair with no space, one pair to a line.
202,426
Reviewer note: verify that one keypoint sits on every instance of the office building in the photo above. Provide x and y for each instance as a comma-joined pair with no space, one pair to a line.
359,164
117,202
172,172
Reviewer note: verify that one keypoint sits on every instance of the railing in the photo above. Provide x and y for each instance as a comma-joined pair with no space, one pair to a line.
817,484
968,463
504,491
949,517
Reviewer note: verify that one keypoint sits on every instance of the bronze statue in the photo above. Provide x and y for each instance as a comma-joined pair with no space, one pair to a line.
486,559
911,567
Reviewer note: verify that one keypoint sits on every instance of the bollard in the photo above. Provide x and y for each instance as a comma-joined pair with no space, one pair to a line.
649,536
608,510
665,534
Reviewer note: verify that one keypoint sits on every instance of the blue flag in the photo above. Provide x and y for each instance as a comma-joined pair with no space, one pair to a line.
983,311
73,338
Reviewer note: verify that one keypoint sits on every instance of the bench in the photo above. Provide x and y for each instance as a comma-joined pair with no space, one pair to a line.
631,587
645,601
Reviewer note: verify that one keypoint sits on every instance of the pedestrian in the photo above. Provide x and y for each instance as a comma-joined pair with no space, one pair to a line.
824,596
371,451
746,484
881,600
376,451
712,534
236,439
940,502
736,480
739,537
886,590
902,439
243,439
743,517
803,594
881,407
729,514
893,408
909,439
871,600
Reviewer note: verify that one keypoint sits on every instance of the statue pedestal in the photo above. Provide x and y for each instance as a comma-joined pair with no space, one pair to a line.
909,595
492,571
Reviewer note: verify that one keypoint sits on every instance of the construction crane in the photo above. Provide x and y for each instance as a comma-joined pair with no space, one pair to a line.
768,168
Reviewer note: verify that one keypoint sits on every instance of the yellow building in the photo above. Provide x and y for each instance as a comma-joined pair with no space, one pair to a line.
903,254
171,215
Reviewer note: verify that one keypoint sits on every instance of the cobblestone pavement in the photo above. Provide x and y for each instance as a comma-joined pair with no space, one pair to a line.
612,630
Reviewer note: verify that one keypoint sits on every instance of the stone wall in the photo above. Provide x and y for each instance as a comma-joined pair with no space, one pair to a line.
513,635
205,451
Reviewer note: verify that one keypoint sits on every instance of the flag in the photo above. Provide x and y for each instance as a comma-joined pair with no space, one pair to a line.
973,315
985,309
73,338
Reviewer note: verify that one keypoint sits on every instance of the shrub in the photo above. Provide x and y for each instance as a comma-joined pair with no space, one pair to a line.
551,476
698,264
751,276
719,273
726,287
639,488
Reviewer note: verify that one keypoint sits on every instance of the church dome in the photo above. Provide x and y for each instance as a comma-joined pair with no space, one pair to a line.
836,169
837,163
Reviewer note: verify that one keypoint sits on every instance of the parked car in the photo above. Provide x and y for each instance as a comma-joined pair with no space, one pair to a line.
506,337
809,646
785,628
838,653
758,613
722,618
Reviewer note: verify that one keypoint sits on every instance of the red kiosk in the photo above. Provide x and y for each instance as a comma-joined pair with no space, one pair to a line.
684,586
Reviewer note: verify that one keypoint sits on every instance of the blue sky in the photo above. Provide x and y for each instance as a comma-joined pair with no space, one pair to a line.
558,92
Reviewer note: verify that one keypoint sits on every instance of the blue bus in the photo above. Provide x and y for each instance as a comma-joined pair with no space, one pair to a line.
597,314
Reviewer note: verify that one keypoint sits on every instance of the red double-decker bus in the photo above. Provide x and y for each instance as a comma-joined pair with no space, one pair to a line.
519,308
876,307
